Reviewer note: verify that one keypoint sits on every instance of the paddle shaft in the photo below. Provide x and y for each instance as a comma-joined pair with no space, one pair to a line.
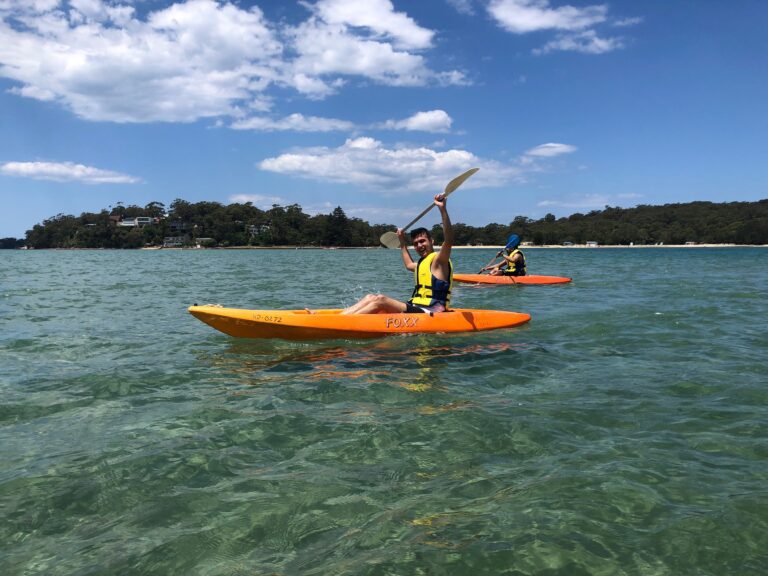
492,261
391,240
450,187
419,217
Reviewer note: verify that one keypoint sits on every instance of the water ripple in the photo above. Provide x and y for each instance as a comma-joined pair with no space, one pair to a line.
622,431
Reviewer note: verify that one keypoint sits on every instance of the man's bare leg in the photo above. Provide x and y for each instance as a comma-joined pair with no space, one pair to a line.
376,304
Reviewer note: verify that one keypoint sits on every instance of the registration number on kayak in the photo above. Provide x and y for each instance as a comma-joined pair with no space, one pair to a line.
267,318
404,322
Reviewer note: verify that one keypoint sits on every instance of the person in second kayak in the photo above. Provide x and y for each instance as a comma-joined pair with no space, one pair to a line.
513,260
433,273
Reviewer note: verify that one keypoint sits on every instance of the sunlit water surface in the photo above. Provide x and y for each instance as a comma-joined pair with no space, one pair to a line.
622,431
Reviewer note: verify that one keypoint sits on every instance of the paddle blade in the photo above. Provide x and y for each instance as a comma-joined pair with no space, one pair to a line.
390,240
459,180
512,242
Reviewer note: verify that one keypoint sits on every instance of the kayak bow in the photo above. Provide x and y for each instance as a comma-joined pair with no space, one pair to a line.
330,324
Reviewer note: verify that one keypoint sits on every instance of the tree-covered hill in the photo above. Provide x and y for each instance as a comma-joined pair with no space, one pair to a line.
214,224
701,222
202,223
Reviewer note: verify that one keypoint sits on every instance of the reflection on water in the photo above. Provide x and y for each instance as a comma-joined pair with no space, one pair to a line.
411,362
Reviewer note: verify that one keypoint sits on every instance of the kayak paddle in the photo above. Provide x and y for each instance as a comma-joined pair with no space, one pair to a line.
390,239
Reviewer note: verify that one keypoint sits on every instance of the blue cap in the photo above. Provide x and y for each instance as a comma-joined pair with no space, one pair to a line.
513,241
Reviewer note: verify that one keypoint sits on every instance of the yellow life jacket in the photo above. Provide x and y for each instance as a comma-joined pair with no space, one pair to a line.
430,290
512,269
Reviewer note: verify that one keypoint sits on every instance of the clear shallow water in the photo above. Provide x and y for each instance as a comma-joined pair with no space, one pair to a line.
622,431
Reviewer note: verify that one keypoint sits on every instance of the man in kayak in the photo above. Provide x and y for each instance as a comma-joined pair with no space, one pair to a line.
433,273
513,260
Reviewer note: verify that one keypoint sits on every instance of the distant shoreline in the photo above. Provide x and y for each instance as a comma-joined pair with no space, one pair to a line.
462,247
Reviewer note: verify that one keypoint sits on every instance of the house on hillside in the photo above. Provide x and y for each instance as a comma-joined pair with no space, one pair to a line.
256,229
177,226
173,241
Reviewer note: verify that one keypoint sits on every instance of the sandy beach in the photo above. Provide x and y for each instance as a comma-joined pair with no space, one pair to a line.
526,247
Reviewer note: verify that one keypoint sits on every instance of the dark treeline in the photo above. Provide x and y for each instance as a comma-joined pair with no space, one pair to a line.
215,224
10,243
202,223
701,222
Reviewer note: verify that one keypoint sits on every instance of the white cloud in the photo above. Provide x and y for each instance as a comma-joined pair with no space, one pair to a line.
462,6
65,172
367,163
586,202
431,121
381,213
34,92
258,200
188,61
369,213
436,121
326,50
365,212
28,6
88,9
368,39
523,16
294,122
587,42
624,22
589,201
551,150
575,24
194,59
379,17
452,78
313,87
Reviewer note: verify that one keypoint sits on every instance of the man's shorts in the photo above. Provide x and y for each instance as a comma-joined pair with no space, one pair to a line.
414,309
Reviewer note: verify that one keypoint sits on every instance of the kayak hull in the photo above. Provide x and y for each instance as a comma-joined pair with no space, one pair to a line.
488,279
330,324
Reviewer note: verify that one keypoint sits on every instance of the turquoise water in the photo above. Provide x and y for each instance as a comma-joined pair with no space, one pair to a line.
621,431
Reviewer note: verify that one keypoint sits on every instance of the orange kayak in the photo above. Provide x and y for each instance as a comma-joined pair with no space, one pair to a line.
530,279
329,324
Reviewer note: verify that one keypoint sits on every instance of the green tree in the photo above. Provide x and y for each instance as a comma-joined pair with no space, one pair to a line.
10,243
338,228
154,209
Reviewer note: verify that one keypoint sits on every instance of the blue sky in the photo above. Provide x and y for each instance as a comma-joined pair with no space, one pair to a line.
374,105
